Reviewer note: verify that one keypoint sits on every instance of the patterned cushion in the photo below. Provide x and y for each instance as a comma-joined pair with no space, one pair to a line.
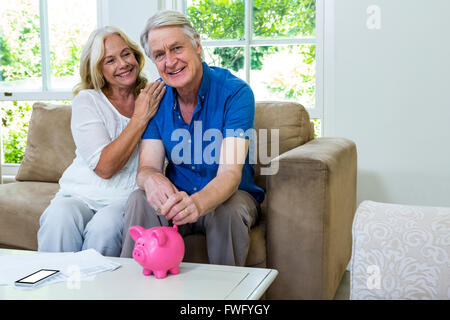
400,252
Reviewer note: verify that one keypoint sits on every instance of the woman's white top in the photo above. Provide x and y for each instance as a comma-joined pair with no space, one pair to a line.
95,124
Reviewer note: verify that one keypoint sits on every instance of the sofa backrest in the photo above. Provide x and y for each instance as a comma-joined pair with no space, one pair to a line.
292,122
50,147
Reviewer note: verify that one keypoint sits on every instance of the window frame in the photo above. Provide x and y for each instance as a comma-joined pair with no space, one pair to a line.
315,113
46,93
322,11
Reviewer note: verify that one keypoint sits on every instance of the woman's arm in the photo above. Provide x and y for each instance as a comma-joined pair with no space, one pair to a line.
116,154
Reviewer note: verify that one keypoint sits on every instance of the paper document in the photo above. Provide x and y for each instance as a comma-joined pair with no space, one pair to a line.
73,266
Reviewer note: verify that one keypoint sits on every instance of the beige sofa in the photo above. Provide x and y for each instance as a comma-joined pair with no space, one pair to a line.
305,230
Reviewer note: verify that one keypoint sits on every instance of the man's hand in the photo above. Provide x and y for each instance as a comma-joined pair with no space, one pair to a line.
158,190
181,208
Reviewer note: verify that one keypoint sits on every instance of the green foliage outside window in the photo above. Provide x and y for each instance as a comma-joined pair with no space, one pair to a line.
20,59
21,47
272,19
15,120
219,20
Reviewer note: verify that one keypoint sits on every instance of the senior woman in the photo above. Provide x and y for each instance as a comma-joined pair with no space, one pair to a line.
110,111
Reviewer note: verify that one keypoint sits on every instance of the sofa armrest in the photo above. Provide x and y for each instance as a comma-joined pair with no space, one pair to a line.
311,202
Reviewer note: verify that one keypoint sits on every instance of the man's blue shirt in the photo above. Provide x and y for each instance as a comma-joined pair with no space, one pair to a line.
226,107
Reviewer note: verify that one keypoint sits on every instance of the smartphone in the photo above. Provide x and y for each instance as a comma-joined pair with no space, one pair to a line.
36,278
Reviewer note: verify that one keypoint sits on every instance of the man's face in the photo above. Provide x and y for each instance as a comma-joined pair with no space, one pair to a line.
177,60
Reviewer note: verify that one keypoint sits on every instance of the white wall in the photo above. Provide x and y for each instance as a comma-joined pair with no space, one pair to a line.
130,16
388,90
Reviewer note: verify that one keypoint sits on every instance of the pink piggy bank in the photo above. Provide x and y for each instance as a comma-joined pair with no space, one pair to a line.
158,249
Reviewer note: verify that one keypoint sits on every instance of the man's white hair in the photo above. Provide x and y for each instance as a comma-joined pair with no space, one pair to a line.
166,18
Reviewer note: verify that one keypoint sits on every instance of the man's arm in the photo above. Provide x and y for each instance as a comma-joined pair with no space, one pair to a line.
225,184
184,209
150,176
239,114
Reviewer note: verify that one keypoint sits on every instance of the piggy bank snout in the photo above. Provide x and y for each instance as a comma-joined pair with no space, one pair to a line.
138,254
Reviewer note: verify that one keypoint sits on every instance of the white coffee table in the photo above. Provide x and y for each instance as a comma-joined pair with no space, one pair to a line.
194,282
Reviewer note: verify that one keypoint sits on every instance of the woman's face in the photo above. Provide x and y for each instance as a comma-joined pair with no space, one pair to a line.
119,65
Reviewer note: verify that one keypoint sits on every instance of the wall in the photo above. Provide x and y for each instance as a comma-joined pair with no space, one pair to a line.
130,16
387,90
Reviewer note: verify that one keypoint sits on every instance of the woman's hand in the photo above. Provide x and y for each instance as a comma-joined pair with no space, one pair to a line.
115,155
148,100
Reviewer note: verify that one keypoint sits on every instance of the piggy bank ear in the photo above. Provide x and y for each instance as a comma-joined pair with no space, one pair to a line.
160,236
136,232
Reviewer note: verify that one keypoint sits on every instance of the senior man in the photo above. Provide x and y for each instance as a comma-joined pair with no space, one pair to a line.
204,189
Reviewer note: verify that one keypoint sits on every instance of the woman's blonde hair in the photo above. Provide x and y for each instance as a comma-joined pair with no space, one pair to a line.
92,55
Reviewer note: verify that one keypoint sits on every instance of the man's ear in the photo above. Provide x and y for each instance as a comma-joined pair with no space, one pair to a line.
199,45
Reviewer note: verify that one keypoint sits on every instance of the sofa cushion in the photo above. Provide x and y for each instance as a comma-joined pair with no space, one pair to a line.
21,205
292,121
50,148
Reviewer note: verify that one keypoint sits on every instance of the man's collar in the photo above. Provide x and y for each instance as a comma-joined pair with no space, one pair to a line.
204,87
202,92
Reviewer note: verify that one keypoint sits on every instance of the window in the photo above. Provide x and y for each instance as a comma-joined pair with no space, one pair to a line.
269,43
40,47
40,44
